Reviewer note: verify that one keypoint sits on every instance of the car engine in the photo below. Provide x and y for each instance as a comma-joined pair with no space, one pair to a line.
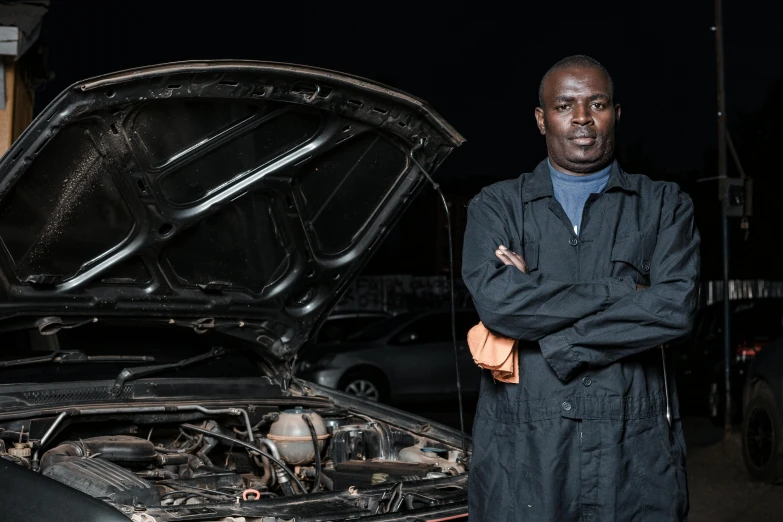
201,457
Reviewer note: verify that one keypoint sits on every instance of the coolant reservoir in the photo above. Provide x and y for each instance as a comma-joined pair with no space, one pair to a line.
444,459
21,449
293,439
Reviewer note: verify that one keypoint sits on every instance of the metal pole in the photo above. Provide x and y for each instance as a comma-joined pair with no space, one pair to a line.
727,420
723,190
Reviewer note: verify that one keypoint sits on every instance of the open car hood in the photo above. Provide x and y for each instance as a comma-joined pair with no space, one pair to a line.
235,195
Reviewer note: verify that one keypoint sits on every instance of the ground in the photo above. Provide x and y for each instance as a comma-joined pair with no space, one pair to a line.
720,488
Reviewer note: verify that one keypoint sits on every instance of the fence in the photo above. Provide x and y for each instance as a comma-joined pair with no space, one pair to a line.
401,292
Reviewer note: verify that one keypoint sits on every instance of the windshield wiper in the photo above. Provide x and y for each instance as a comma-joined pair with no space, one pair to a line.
75,356
129,374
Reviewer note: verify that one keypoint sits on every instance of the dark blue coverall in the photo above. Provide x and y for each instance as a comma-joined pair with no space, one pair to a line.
583,436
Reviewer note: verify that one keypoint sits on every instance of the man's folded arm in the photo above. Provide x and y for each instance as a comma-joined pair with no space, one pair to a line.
518,305
644,319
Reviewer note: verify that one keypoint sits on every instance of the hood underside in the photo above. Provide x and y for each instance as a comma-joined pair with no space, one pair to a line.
240,196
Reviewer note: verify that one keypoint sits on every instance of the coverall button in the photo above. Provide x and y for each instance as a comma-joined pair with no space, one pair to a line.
646,266
587,381
567,406
573,241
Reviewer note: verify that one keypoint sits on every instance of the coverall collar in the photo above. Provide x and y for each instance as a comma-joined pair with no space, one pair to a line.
539,185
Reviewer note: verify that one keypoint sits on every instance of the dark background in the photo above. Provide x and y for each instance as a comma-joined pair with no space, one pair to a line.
479,65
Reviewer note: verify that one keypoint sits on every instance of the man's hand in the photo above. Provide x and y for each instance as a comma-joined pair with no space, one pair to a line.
511,258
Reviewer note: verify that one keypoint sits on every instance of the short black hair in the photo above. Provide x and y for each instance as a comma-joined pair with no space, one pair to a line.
577,61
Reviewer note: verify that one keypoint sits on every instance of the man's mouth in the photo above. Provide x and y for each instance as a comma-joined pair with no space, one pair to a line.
583,140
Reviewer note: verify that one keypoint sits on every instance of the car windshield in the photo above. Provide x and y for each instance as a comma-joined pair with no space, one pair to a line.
163,345
762,322
752,320
430,326
339,328
381,329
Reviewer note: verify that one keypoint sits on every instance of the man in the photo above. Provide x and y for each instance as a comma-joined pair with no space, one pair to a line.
591,269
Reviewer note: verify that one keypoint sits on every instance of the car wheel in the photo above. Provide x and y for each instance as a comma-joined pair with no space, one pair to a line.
762,435
364,389
365,383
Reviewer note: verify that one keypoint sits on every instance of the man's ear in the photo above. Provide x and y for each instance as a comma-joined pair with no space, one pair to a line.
617,112
540,120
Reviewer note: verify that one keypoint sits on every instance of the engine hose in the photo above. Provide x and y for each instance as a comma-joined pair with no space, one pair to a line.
327,482
250,447
187,449
158,474
263,463
279,474
317,453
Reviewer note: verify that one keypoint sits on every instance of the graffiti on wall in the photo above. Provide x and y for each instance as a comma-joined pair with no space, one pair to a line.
712,291
399,293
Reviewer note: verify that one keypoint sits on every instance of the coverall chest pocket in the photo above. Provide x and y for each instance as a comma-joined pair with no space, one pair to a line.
530,253
632,256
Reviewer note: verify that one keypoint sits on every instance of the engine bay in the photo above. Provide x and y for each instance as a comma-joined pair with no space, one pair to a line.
169,462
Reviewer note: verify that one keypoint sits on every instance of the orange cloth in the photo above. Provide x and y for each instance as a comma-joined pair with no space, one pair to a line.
495,353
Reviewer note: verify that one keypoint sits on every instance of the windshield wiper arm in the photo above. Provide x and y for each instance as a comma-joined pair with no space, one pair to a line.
74,356
129,374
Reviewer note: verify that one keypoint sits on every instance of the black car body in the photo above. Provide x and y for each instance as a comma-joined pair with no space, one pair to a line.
171,237
762,424
699,361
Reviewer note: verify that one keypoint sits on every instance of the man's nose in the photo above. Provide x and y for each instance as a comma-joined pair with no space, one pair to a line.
581,115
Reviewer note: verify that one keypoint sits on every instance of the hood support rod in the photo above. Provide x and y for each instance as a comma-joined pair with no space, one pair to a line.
436,187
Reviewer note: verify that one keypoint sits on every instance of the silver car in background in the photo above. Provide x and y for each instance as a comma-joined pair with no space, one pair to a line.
399,358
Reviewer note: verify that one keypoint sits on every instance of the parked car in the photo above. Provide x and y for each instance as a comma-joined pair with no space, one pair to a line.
762,424
339,326
171,237
404,357
699,360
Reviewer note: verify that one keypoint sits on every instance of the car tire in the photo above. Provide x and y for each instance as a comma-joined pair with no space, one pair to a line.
366,383
762,435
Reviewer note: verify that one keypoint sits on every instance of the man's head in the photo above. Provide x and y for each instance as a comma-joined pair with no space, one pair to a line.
577,114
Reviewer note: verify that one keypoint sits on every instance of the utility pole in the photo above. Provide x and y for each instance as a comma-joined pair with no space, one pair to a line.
723,185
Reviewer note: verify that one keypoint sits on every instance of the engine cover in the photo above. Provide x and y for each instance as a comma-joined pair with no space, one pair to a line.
102,479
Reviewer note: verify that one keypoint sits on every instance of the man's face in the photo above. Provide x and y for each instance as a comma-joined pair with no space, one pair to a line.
578,120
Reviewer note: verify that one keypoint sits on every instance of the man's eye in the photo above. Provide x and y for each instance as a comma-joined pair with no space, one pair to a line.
598,105
561,108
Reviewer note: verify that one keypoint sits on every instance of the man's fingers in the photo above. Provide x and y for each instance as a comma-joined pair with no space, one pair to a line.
519,261
503,257
511,258
516,259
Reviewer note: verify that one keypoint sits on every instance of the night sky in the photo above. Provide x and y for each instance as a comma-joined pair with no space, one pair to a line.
480,65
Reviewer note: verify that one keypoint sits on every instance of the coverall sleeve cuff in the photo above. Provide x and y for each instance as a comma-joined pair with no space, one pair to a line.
621,287
557,351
